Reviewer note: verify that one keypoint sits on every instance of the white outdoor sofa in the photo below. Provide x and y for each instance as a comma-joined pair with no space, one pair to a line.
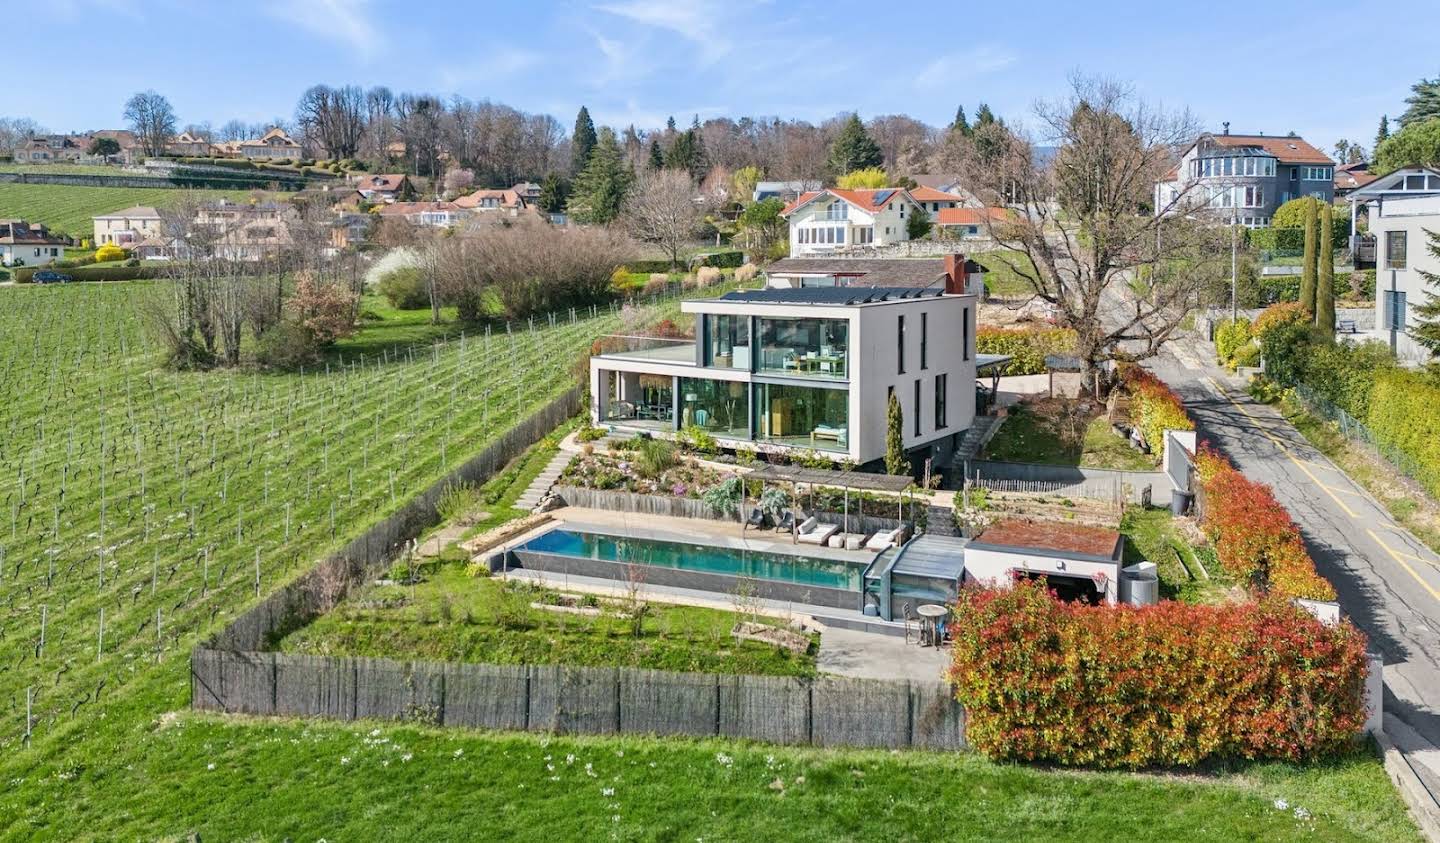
811,531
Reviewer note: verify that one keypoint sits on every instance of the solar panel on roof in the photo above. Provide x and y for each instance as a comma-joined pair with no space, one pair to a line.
883,196
829,295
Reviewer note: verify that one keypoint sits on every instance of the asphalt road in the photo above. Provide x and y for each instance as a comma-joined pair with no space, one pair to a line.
1388,582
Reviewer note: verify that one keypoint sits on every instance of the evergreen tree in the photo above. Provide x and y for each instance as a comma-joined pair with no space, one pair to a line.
552,193
1307,265
657,158
853,149
918,224
1325,280
582,141
600,189
1427,315
1423,103
670,125
1384,132
895,459
984,116
961,125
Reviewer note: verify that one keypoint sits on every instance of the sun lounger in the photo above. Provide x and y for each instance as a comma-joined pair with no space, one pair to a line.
818,533
882,540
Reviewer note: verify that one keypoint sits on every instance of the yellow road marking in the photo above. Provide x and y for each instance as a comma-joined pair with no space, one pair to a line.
1399,557
1285,449
1344,491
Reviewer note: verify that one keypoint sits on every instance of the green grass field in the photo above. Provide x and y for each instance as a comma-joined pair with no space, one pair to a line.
1001,279
68,209
61,169
1030,436
145,497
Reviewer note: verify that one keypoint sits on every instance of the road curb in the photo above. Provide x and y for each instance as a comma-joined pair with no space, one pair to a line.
1418,798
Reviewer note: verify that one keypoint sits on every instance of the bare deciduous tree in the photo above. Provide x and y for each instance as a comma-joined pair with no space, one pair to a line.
152,120
663,208
332,119
1088,241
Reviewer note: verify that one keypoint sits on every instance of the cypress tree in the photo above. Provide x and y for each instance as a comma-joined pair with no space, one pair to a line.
895,461
582,141
1325,282
1307,265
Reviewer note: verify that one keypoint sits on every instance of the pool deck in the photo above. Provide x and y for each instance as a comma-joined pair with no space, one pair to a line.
691,530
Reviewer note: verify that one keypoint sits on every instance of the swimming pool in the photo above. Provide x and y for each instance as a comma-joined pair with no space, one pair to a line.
729,561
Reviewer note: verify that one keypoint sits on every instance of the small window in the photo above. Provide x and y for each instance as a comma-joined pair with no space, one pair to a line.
1395,249
1395,310
917,406
941,382
900,342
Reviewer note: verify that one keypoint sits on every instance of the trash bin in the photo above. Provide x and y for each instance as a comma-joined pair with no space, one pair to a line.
1140,584
1180,502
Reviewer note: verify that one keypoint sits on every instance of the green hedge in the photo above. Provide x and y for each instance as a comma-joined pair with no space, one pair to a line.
650,266
25,275
724,260
1028,347
1402,416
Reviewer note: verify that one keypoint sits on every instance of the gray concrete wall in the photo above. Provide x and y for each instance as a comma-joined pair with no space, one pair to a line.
575,700
619,500
1100,483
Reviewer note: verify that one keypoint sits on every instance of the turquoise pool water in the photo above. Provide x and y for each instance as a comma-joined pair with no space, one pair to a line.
804,570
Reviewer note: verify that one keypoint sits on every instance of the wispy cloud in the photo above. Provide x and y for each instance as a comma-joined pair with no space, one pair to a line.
985,59
489,63
346,22
698,21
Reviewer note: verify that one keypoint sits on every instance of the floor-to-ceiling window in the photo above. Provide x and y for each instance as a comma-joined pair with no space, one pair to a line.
812,347
721,408
727,343
804,416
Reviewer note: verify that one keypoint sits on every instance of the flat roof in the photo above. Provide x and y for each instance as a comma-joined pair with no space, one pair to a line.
986,361
844,296
929,555
1054,538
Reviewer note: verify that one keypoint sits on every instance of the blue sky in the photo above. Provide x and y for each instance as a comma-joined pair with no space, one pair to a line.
1317,67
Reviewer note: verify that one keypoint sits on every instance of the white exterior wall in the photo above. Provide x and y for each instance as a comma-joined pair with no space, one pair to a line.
993,567
31,255
1413,215
889,224
107,228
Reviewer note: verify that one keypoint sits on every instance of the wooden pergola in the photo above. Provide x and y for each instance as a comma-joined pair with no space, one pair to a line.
796,476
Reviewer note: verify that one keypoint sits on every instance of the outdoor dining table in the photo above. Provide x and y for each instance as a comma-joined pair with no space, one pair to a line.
932,615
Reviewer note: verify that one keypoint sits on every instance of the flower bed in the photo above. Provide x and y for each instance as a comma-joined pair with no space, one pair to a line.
1154,407
1255,539
630,472
1173,683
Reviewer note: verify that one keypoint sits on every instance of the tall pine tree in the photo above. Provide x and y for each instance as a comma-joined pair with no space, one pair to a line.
1307,266
961,125
600,189
853,149
1427,315
657,158
1325,279
1382,134
582,141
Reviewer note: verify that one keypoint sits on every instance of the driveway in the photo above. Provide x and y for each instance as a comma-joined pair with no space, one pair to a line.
1388,582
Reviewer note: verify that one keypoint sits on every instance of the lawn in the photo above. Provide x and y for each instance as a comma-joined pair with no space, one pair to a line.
68,208
1186,572
453,615
1031,433
219,778
1001,279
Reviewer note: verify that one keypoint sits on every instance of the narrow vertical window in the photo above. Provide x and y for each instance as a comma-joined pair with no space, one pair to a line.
940,385
965,332
900,342
917,406
924,340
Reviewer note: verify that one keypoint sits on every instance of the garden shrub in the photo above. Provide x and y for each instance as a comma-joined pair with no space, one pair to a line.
654,458
748,272
1168,684
708,275
1402,416
1255,539
1154,407
724,260
1230,337
109,252
697,439
287,345
649,266
1028,346
1283,331
405,288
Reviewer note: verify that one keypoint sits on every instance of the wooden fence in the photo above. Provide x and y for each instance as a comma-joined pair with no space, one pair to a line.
579,700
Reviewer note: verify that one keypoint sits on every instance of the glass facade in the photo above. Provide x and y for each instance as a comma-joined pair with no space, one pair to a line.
727,341
809,347
721,408
803,416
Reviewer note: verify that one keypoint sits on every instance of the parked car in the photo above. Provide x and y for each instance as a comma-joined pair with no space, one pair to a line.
50,276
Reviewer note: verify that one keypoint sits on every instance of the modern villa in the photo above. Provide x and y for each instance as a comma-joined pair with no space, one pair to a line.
1402,206
808,369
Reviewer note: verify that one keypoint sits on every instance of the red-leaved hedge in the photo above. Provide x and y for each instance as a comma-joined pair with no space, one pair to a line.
1169,684
1255,539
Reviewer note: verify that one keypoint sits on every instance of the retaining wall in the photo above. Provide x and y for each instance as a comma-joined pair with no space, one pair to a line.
580,700
236,180
815,595
1101,483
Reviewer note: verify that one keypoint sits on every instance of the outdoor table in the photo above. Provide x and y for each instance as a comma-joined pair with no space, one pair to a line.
932,615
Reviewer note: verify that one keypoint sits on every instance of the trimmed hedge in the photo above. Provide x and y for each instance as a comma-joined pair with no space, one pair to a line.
724,260
1154,407
1028,346
1169,684
1254,537
652,266
26,275
1402,416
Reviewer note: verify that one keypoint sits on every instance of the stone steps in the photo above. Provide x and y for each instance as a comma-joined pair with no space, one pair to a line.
543,481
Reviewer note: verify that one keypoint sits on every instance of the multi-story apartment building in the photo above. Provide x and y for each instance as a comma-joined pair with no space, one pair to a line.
805,369
1244,178
1403,208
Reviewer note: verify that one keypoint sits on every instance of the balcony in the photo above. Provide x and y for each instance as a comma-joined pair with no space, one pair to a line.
675,351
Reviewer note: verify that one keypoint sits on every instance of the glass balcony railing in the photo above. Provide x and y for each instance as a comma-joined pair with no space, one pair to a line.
680,351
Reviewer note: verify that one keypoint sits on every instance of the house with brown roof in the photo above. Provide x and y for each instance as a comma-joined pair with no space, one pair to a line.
490,201
1243,179
383,187
274,145
1351,177
436,214
950,272
833,219
962,223
27,244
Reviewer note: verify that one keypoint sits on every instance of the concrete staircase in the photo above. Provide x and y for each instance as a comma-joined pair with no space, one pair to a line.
975,438
543,481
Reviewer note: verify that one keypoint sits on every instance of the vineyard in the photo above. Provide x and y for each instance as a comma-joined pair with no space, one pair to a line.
69,208
142,506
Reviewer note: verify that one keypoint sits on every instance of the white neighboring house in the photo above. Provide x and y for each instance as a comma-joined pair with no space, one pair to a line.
127,226
23,244
833,219
1403,206
808,369
433,214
